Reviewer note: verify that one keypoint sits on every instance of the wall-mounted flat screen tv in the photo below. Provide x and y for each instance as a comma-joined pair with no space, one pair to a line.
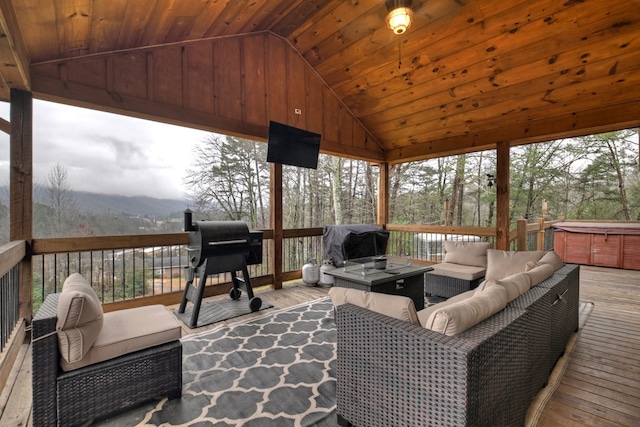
288,145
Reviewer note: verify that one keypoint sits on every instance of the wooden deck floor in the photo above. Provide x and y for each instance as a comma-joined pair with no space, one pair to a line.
601,386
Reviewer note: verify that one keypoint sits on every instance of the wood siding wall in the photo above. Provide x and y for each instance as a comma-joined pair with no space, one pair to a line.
233,85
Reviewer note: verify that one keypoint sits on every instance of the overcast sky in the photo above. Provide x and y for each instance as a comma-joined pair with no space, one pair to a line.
106,153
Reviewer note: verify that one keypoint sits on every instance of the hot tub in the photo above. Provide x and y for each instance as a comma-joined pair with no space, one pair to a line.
605,244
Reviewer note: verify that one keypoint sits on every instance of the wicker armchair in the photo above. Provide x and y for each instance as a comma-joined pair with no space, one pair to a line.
462,269
94,391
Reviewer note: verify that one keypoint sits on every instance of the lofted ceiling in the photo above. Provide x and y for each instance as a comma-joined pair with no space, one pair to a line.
466,75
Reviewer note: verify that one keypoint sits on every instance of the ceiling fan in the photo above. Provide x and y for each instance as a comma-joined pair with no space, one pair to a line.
400,15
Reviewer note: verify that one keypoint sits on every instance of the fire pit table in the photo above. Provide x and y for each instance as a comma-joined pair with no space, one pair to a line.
387,275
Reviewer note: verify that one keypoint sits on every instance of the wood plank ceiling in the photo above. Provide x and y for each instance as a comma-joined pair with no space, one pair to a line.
466,75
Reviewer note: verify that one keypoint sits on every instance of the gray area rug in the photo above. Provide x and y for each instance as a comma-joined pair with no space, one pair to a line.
276,370
217,311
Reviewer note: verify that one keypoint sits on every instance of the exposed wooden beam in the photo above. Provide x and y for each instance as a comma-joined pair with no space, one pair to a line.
5,126
14,60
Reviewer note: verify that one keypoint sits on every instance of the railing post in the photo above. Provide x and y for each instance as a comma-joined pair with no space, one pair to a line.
540,240
21,189
521,240
276,224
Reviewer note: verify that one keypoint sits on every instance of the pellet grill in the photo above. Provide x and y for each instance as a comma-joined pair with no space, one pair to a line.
219,247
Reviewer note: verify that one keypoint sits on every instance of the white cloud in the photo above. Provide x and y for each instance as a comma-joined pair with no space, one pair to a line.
107,153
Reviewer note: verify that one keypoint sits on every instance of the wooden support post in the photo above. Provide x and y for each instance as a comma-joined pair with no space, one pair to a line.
521,240
541,224
383,194
540,235
275,207
502,196
21,189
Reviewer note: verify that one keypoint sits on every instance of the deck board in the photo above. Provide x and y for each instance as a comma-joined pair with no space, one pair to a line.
600,387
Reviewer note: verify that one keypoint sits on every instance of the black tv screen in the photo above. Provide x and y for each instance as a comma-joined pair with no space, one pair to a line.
288,145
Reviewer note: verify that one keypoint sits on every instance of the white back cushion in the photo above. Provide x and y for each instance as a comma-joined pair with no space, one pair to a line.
501,264
79,318
539,273
551,258
466,253
462,315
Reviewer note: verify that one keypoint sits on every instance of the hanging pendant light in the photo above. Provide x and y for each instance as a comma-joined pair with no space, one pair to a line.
400,16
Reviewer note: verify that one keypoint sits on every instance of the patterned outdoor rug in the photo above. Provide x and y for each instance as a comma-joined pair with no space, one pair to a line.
275,370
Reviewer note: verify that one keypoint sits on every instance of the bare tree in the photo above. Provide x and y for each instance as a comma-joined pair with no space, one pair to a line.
61,202
226,179
615,158
336,188
455,204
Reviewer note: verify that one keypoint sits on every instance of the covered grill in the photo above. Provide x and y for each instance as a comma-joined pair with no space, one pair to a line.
349,241
220,247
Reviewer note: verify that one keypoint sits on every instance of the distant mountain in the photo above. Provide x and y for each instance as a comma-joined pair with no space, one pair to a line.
129,205
86,202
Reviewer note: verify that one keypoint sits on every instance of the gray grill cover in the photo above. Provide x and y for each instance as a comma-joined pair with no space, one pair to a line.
343,242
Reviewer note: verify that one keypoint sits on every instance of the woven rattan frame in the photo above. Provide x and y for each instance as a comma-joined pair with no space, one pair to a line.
445,286
390,372
76,397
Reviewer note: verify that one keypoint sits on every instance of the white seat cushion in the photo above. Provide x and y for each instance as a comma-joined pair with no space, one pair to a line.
458,271
126,331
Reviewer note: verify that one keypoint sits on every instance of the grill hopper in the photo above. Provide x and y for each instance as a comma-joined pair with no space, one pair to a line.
227,242
221,247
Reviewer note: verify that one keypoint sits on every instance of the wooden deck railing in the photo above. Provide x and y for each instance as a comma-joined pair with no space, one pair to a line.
150,269
137,270
12,328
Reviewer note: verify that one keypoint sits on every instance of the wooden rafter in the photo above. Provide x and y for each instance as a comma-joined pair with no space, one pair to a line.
14,60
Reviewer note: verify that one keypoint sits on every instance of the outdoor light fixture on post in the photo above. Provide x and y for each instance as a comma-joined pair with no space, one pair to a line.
490,180
400,15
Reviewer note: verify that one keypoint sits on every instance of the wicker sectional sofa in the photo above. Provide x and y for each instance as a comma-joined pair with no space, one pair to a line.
393,372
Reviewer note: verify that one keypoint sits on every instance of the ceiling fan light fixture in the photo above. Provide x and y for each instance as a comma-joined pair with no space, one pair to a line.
399,19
